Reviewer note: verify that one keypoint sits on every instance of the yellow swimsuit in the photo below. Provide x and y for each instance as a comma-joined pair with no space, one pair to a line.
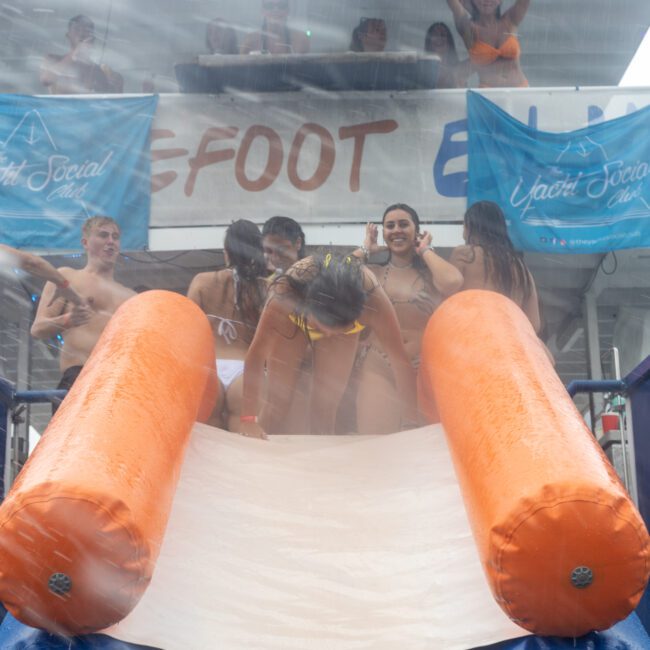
314,334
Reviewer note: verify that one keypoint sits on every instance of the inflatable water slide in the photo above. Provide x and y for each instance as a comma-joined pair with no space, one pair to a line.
502,526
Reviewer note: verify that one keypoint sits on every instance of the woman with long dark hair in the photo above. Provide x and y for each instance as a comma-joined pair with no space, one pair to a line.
320,304
233,299
491,39
452,73
416,280
488,260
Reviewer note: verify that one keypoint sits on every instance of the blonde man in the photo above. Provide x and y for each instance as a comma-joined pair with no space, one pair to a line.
81,325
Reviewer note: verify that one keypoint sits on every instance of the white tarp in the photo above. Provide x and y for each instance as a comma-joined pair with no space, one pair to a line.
336,157
318,542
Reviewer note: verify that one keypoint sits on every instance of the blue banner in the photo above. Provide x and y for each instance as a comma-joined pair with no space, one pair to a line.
63,160
585,191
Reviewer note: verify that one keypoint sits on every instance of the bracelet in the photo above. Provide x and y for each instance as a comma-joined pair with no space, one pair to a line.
365,251
248,418
428,248
64,285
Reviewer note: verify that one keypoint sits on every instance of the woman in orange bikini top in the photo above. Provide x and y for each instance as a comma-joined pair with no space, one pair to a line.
491,39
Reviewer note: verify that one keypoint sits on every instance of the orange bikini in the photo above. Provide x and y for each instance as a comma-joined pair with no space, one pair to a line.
482,53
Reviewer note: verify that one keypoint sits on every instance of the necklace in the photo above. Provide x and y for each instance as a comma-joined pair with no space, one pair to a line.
400,266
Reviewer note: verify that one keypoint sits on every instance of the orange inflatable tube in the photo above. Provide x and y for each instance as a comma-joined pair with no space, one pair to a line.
563,548
81,529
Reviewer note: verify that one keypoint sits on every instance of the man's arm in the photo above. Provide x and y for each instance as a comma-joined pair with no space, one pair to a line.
52,317
43,269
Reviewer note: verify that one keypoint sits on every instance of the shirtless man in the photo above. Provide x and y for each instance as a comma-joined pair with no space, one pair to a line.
82,325
76,72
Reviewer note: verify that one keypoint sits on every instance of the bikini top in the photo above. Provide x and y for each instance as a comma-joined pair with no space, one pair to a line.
482,53
419,294
313,334
227,326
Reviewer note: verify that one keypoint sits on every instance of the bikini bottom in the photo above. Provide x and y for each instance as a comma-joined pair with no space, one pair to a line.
228,370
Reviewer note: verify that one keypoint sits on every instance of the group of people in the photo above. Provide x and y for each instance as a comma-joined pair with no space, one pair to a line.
320,343
489,35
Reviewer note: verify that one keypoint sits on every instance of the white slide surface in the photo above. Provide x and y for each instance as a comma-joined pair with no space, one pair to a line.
317,543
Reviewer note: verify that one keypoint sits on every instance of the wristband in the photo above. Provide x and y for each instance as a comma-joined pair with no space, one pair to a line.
248,418
428,248
365,251
64,285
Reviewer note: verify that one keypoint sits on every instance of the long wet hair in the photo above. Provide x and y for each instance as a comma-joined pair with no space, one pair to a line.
331,289
486,227
243,243
287,228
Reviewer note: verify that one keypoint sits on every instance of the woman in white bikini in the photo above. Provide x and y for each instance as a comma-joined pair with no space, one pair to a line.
233,299
416,280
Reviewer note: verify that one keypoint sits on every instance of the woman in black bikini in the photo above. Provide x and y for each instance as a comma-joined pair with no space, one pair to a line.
415,279
322,304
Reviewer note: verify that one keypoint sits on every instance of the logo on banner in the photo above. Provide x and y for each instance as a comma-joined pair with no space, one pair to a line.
581,191
30,158
611,183
65,159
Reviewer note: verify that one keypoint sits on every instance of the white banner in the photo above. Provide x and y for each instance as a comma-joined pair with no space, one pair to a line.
336,158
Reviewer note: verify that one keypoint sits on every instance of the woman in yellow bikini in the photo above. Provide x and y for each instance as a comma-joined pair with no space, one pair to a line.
322,303
416,280
491,39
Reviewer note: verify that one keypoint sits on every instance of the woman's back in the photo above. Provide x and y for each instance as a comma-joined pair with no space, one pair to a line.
233,328
470,260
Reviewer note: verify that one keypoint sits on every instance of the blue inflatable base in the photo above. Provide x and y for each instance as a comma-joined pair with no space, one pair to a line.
626,635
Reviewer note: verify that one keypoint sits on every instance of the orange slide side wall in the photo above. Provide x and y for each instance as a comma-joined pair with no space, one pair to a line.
541,497
93,501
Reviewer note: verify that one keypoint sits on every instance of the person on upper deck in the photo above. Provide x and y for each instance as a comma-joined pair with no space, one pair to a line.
369,36
276,37
452,73
491,39
76,72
